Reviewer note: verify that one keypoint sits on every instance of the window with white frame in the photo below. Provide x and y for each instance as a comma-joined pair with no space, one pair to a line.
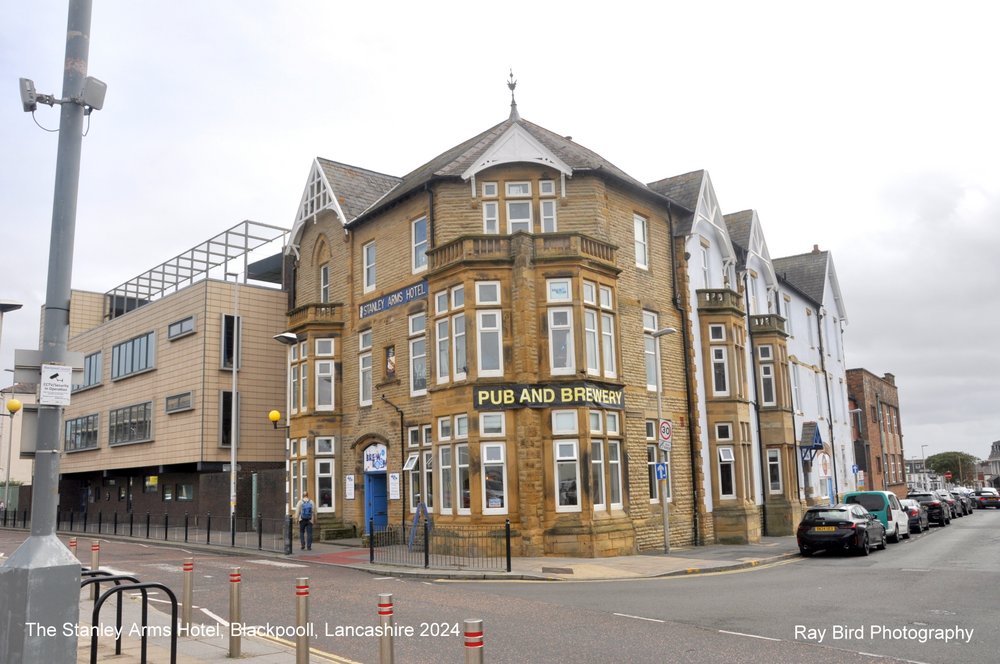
793,373
774,470
418,230
324,385
490,190
494,478
293,388
304,475
326,494
706,278
419,466
487,292
462,479
562,358
324,283
767,394
605,459
518,216
447,489
461,427
518,189
559,290
615,473
444,428
567,460
492,424
546,187
418,354
651,454
490,343
720,371
809,329
723,431
641,241
651,352
597,473
727,478
325,347
368,266
548,211
442,338
590,340
294,468
304,375
491,217
365,368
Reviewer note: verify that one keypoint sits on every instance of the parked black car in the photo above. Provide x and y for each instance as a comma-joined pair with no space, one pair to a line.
840,527
919,520
938,511
946,497
987,497
964,499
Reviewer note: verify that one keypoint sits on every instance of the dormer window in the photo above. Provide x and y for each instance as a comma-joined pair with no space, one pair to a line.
489,190
518,189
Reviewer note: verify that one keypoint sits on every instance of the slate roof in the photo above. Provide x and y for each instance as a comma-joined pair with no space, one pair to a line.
453,162
806,272
739,224
683,189
356,188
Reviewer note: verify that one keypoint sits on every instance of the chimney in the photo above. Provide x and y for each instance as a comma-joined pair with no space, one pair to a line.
815,248
890,378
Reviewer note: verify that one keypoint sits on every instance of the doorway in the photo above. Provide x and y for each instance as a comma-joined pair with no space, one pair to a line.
376,501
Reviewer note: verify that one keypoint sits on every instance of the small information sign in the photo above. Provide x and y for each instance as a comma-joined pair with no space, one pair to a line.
56,384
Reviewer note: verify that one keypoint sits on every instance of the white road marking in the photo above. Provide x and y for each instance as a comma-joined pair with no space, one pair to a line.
752,636
275,563
218,619
118,572
384,578
626,615
163,567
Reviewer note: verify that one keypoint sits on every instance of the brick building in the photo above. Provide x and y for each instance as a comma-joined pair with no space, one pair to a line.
880,430
477,337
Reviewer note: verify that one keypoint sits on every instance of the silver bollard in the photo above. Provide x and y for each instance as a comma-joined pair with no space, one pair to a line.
235,638
188,593
95,564
302,620
386,654
473,642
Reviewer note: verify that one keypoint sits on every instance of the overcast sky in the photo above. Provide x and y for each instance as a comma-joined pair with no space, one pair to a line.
869,129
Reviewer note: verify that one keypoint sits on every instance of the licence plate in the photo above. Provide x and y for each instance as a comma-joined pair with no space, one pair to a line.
825,529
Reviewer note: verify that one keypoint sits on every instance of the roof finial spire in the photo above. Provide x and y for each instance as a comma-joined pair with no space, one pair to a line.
512,83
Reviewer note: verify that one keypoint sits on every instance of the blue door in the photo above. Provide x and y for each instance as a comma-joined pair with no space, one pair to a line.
376,503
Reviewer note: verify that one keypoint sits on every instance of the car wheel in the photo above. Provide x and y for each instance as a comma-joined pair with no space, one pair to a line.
882,545
866,547
907,535
895,535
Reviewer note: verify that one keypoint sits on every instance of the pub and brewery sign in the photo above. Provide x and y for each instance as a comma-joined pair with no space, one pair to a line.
554,395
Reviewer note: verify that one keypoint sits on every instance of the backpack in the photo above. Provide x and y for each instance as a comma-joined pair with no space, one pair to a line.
307,509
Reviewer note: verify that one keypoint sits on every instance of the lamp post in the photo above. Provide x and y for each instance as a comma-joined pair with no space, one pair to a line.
13,405
857,411
275,417
665,452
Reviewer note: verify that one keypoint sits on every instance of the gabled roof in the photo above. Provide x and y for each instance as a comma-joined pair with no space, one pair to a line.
355,188
685,190
461,159
808,273
739,224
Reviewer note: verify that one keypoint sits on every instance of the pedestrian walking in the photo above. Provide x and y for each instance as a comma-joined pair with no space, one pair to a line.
304,513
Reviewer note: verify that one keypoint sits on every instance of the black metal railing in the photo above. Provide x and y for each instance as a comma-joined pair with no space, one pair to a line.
263,534
473,547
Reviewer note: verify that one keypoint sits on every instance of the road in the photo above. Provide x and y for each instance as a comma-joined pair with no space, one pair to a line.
791,611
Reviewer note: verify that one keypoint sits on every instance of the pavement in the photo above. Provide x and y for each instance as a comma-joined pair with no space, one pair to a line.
211,643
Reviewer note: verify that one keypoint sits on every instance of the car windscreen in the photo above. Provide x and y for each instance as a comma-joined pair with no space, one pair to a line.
870,501
826,515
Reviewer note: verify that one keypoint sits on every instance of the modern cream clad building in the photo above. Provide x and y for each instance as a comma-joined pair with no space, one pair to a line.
477,338
150,426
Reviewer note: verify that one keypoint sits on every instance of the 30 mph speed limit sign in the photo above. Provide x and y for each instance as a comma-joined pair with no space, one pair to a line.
666,433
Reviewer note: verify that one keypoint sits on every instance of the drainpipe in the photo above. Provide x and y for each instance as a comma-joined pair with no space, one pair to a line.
402,462
756,405
686,344
829,403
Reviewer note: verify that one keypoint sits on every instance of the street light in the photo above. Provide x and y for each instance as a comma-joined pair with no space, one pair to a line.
13,405
861,436
665,456
275,417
